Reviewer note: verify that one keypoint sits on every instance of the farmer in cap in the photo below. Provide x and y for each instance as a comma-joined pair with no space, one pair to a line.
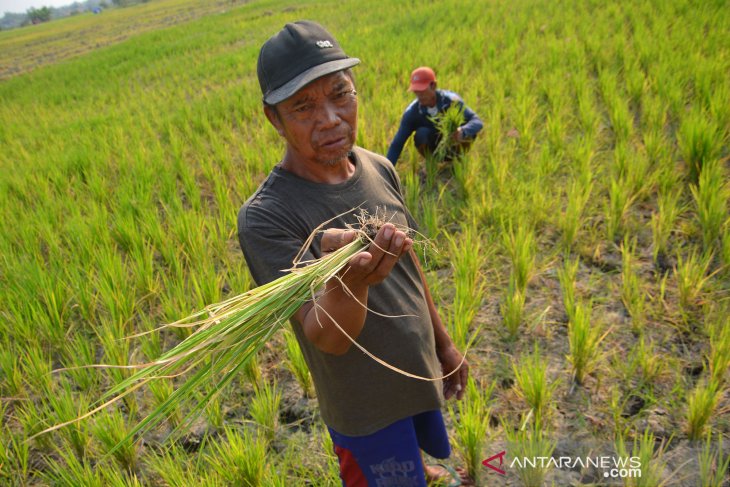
419,116
379,419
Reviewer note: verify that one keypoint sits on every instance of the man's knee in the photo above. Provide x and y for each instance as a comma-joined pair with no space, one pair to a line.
425,138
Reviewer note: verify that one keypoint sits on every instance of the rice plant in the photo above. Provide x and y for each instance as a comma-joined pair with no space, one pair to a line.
110,430
411,190
650,458
663,222
620,117
64,406
161,390
632,294
175,467
691,277
701,405
532,384
264,409
467,259
512,309
584,339
252,371
73,471
36,368
241,459
711,197
12,379
15,460
519,243
430,217
714,464
651,363
587,113
719,360
567,276
527,113
616,210
297,365
471,422
572,218
699,142
528,445
78,353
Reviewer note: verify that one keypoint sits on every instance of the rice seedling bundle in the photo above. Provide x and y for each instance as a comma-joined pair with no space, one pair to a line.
230,333
447,123
227,336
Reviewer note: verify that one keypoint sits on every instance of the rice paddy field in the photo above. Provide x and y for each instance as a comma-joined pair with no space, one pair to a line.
583,243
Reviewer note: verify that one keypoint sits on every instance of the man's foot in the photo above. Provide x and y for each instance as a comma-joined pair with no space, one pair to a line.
443,475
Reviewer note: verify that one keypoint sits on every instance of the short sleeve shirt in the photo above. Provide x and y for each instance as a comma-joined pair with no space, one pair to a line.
357,396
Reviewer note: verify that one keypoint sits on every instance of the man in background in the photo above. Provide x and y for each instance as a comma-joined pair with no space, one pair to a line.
419,116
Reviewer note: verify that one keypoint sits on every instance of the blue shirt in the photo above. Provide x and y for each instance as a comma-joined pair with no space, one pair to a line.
416,116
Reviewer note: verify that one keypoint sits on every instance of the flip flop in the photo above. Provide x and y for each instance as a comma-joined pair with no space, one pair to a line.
455,478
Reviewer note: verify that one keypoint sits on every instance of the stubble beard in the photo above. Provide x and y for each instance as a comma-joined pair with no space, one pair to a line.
334,161
337,160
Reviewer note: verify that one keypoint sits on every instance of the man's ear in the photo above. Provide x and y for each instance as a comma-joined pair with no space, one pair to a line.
274,119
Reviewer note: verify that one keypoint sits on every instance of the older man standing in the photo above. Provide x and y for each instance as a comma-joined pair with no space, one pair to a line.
419,115
379,420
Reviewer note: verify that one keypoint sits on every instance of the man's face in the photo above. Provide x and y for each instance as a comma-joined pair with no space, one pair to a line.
427,97
319,122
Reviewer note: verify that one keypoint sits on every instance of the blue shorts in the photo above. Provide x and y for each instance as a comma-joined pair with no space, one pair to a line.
391,457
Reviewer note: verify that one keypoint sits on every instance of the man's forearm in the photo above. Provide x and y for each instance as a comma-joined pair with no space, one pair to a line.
347,309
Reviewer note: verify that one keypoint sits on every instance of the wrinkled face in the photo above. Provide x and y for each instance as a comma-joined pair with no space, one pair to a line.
427,97
319,122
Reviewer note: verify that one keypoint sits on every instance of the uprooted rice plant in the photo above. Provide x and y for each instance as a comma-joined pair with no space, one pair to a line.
599,183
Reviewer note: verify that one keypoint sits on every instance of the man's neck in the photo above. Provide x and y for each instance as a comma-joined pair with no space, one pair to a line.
318,172
435,101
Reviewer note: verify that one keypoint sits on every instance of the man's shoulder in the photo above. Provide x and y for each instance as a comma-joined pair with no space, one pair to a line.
379,163
411,109
268,199
372,157
451,95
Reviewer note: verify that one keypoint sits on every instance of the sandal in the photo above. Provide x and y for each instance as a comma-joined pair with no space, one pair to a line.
453,481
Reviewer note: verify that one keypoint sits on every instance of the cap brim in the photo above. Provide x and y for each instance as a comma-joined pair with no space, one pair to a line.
283,92
419,86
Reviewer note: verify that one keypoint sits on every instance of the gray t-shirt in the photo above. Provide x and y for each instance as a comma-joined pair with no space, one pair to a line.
357,396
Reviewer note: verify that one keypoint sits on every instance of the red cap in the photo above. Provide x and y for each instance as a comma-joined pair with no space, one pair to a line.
421,78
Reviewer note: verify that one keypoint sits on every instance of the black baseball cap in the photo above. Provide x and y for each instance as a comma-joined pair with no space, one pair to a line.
297,55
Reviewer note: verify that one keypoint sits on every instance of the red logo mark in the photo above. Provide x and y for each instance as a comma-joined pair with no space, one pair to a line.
500,455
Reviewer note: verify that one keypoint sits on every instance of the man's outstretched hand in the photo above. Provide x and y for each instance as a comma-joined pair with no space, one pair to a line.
373,265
